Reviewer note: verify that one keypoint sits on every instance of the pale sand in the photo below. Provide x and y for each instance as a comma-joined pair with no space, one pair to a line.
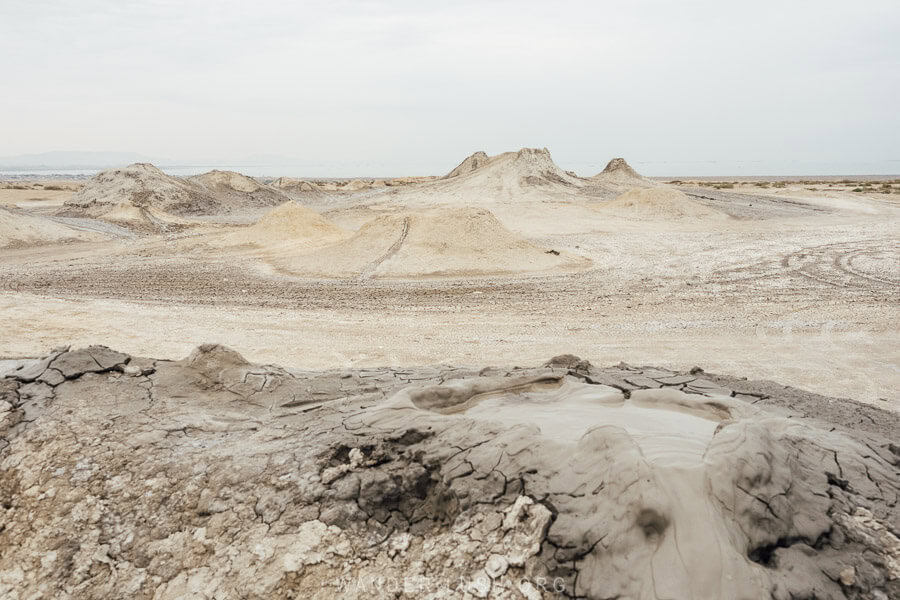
859,364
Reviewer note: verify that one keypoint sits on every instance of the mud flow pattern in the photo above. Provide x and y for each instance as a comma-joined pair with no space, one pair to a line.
667,435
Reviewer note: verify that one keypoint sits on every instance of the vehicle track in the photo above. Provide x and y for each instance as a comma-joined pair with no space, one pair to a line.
371,267
832,264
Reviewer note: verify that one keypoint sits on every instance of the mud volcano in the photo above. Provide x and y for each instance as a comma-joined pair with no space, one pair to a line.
144,197
215,477
442,242
236,190
141,188
526,175
290,225
663,203
619,172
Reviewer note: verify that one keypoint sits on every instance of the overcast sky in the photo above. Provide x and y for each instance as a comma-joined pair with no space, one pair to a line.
426,83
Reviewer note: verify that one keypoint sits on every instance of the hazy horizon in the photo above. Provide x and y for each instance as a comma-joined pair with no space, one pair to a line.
415,88
67,163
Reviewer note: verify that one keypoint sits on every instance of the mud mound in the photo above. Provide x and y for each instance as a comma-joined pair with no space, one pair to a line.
143,187
231,181
296,187
290,224
528,166
527,175
237,191
20,229
355,185
471,163
148,219
154,478
659,203
438,242
619,172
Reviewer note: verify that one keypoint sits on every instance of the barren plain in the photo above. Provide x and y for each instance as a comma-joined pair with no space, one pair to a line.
795,283
511,381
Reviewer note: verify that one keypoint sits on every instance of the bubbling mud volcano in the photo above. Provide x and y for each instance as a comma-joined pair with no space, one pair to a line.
667,432
216,477
661,494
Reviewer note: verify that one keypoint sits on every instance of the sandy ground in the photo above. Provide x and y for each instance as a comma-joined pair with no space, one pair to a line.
806,296
39,200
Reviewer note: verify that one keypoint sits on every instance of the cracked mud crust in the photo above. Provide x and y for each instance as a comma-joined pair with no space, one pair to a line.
212,477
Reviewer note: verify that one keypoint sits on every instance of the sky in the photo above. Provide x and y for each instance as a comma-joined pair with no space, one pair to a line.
418,85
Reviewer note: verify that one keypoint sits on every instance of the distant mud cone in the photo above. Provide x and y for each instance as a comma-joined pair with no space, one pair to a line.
509,174
619,172
141,186
620,165
659,203
228,181
142,191
471,163
237,191
290,224
298,188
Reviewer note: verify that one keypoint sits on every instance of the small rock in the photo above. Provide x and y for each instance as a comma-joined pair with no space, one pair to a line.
496,566
356,458
848,576
527,589
568,361
398,544
334,473
480,586
514,512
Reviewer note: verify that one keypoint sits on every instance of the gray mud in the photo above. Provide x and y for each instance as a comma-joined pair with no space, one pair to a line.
214,477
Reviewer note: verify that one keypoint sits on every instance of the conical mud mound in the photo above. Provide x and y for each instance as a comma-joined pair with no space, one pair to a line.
471,163
528,166
296,187
619,172
142,186
237,191
659,203
290,224
440,242
527,175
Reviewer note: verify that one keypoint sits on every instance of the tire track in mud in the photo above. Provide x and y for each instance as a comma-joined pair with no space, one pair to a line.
395,247
846,264
834,265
